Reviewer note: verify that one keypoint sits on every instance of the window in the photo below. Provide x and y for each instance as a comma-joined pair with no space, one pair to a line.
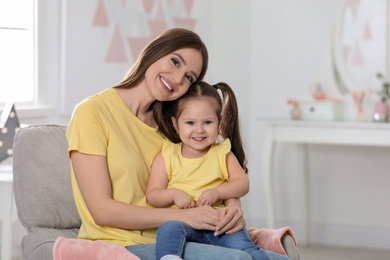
16,51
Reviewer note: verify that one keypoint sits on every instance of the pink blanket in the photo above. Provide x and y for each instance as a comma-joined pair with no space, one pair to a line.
270,239
81,249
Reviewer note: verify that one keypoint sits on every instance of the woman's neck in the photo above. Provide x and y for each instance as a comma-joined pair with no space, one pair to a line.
138,102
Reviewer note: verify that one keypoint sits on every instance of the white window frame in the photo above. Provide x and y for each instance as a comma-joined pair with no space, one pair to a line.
47,25
17,28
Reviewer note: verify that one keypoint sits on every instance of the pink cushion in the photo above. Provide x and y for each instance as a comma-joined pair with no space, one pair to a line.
82,249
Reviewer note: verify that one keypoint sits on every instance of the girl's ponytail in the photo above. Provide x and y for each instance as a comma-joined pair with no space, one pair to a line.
230,126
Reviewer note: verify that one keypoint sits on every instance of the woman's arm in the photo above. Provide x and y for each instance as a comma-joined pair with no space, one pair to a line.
236,187
157,193
93,179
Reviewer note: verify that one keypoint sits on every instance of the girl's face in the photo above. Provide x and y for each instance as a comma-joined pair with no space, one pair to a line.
197,126
170,77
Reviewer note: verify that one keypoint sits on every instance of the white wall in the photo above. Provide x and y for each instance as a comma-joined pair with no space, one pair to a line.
348,185
269,51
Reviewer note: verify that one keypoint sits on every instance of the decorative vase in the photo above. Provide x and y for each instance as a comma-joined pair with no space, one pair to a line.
381,111
296,112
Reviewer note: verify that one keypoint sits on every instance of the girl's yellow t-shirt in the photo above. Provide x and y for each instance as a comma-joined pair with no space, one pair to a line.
196,175
103,125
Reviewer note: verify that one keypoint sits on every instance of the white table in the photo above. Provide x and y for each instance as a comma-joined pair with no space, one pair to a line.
313,132
8,211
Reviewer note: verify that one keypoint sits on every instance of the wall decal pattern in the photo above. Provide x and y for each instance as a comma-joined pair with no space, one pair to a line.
101,39
159,14
100,18
363,40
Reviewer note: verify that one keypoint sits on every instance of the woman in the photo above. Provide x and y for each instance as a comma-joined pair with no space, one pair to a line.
112,143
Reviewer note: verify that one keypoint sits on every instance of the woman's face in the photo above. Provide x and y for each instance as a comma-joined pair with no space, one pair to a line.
170,77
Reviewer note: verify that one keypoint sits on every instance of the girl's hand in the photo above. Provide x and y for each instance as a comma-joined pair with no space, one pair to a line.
208,197
231,218
183,200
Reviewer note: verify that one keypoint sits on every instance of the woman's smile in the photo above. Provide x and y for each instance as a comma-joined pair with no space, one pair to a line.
166,84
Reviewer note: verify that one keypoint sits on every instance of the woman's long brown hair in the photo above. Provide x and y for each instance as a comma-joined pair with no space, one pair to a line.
166,43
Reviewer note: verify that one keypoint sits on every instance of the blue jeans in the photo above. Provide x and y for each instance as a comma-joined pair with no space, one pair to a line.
193,251
196,251
173,235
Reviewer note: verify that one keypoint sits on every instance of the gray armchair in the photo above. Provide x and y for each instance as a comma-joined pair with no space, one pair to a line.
42,189
43,192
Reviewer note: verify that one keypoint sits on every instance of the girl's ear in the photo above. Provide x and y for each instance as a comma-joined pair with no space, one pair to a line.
174,122
220,131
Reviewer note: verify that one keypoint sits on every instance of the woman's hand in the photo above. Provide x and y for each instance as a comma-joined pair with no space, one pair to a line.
231,218
204,217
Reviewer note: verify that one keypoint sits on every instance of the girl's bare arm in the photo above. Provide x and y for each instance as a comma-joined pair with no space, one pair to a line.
157,193
236,187
238,184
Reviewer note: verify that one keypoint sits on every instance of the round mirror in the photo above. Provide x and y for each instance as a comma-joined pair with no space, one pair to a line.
361,45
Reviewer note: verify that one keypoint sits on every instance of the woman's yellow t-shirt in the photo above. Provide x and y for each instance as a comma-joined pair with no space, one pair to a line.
103,125
196,175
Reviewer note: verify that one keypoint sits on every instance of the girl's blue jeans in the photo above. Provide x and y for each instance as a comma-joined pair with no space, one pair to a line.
172,237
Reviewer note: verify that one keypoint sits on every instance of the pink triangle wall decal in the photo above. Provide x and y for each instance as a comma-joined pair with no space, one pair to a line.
148,5
367,32
100,19
346,51
186,23
354,5
160,16
136,45
116,50
157,27
357,57
188,4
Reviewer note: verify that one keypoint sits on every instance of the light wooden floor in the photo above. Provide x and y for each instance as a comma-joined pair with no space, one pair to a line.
313,252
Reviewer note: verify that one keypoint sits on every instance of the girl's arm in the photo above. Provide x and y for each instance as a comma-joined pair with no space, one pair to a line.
236,187
157,193
93,180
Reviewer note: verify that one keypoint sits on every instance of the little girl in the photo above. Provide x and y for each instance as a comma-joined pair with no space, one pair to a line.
195,168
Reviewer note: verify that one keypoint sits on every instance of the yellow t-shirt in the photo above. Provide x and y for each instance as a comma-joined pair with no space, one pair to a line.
196,175
103,125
